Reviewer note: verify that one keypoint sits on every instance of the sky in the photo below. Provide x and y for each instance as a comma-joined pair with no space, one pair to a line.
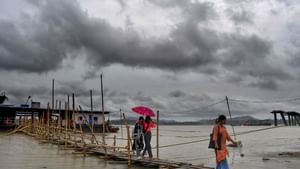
181,57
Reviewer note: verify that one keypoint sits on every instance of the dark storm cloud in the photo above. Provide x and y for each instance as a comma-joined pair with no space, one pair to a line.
61,29
246,56
18,94
79,88
29,54
245,49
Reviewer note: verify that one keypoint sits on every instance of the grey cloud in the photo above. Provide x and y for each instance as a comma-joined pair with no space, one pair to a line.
124,94
192,10
19,94
140,97
91,74
190,103
157,105
170,77
287,2
268,84
170,3
60,29
241,17
67,88
122,4
237,79
79,89
119,101
204,98
200,11
29,54
247,56
295,61
63,28
177,93
240,1
112,94
243,49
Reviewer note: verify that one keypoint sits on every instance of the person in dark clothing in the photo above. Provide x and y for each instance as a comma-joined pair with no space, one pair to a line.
148,124
138,136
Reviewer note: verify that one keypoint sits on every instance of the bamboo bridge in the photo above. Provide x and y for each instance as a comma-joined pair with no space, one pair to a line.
47,130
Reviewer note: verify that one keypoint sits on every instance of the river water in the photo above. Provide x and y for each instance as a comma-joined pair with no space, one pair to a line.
19,151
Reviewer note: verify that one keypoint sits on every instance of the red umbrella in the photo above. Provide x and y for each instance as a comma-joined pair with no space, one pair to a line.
143,110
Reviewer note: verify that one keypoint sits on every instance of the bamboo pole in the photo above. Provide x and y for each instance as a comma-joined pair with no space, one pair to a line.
42,126
58,128
128,146
59,120
66,123
230,118
157,136
81,133
74,124
68,108
128,141
56,101
48,120
73,112
121,122
114,144
103,117
91,97
52,93
32,121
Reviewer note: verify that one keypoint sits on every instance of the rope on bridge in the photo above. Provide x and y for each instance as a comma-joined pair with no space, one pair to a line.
207,139
266,101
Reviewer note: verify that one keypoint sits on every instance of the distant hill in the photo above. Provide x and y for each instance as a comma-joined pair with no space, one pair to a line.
241,120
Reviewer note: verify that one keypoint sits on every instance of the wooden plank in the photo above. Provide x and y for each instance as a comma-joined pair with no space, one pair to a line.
148,161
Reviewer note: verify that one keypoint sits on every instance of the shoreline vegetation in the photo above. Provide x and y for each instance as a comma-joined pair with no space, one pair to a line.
236,121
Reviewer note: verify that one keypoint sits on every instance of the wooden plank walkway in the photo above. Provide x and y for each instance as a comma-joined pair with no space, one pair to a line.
147,161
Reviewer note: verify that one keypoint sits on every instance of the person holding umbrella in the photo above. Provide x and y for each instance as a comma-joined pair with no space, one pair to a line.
138,136
148,125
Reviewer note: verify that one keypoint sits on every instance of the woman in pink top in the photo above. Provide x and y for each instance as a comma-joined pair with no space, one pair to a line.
148,124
